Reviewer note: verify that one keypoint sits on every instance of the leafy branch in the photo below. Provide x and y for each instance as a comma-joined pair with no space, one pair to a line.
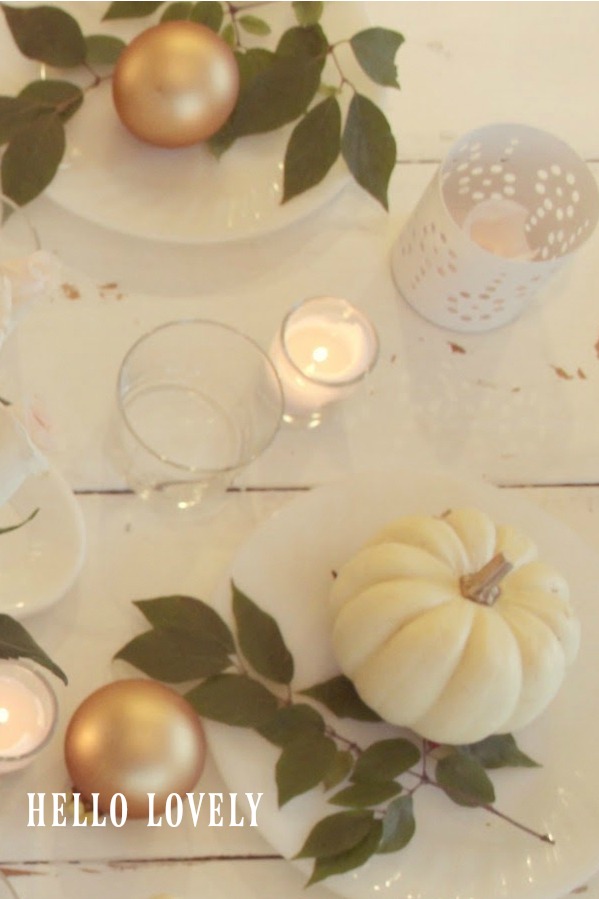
245,680
277,88
20,524
17,643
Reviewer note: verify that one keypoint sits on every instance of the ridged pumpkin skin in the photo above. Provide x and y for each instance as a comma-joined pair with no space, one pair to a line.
425,656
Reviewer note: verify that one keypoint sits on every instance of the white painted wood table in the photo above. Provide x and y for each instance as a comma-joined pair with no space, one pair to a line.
517,406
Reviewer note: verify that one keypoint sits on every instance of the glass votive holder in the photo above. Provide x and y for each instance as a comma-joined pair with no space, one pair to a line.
197,401
508,206
323,349
28,715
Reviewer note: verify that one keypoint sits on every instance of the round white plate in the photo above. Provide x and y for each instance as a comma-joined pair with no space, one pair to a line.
187,195
457,853
40,561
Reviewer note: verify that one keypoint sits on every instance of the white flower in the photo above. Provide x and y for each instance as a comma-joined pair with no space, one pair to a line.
19,457
24,280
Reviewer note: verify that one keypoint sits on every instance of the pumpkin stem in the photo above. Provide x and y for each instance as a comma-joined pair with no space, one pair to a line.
483,586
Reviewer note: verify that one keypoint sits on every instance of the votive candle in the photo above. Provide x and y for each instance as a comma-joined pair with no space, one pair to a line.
499,226
324,348
28,714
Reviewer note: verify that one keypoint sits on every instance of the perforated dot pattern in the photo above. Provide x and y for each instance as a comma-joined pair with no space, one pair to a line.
455,282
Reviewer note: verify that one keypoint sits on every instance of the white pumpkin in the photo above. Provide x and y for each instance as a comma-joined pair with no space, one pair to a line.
451,626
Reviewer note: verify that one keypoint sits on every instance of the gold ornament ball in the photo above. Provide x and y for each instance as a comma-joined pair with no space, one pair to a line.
134,737
175,84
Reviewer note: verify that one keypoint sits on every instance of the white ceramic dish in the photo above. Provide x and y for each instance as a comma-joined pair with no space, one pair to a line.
40,561
457,853
186,195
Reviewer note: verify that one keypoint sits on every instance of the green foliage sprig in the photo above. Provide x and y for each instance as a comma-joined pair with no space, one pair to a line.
20,524
17,643
245,680
277,88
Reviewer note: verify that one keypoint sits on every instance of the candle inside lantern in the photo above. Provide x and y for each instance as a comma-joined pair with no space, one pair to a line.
28,714
323,350
499,226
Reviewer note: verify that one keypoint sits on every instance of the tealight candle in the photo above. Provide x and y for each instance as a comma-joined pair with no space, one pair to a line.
499,226
324,348
28,714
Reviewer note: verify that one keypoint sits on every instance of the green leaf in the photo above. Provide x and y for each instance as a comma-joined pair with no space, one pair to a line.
32,157
60,97
339,695
208,13
254,25
103,49
16,527
250,64
292,722
342,764
172,656
500,751
177,11
234,699
348,861
275,89
336,833
17,643
368,147
375,50
302,765
277,96
464,780
398,825
306,43
15,113
313,148
46,33
386,760
260,640
360,795
228,35
121,9
191,617
308,13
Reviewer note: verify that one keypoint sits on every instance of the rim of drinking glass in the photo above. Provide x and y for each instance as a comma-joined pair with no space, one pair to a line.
233,331
25,756
376,346
17,210
7,885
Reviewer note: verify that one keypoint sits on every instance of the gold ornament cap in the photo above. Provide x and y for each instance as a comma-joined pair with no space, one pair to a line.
175,84
134,737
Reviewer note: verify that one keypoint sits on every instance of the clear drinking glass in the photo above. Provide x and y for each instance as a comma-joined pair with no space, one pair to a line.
6,890
197,401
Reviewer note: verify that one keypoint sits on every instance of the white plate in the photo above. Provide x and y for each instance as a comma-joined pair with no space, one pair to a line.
40,561
457,853
187,195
